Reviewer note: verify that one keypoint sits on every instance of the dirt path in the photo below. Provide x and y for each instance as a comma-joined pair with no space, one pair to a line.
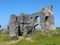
29,39
15,41
3,43
11,42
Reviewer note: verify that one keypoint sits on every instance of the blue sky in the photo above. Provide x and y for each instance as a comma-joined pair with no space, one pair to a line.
8,7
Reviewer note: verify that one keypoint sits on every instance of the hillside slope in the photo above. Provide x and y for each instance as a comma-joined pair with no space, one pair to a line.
51,37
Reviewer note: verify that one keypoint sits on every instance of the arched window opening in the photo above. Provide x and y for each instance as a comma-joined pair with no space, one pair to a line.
37,18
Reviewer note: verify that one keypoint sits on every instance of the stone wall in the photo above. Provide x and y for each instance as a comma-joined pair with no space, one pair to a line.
26,23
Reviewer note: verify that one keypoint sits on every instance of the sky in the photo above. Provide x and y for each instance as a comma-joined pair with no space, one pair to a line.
8,7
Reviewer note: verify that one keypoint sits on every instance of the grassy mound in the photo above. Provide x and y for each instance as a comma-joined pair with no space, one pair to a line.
39,38
51,37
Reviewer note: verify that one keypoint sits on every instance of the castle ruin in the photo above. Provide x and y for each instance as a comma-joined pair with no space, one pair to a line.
26,23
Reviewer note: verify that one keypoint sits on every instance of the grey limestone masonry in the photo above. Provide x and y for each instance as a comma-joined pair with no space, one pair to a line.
26,23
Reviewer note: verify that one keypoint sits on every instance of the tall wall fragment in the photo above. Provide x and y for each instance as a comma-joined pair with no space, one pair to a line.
26,23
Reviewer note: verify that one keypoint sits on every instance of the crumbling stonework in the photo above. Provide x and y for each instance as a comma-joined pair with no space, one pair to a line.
26,23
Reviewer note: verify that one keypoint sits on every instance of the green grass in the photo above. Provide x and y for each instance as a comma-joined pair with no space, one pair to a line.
39,38
42,39
4,38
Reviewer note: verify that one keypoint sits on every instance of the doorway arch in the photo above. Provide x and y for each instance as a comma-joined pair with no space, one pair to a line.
37,26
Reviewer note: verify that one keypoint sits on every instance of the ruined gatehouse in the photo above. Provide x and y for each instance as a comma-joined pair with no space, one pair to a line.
26,23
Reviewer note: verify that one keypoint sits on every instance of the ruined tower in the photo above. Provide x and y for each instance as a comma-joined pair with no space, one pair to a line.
26,23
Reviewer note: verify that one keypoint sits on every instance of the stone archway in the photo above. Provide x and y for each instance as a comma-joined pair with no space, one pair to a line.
37,19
